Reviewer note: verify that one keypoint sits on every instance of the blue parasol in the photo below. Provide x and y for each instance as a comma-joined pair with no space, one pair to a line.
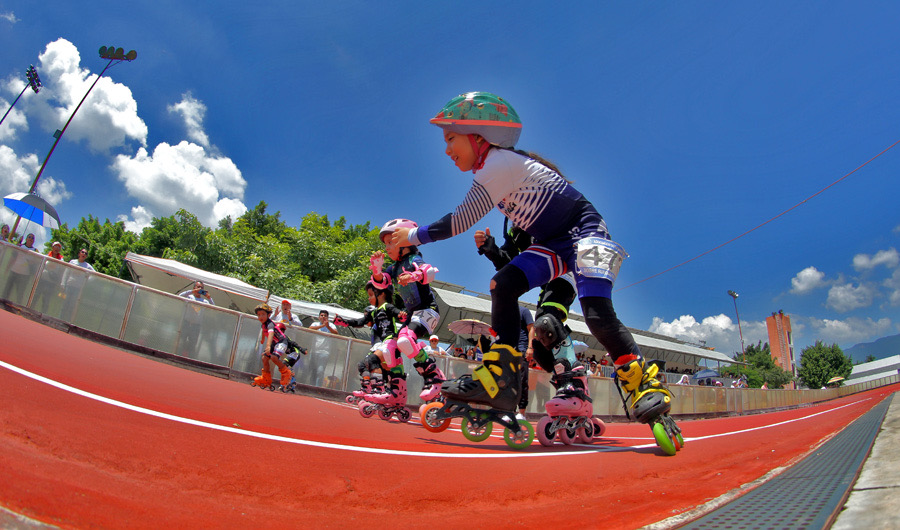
32,208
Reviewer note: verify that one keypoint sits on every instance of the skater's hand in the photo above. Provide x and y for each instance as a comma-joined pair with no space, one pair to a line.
481,236
338,321
402,316
406,278
376,262
400,237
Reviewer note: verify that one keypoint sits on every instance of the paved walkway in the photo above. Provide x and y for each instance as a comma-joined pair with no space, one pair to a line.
874,501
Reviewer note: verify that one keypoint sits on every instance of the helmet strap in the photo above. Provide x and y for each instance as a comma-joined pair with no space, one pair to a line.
480,151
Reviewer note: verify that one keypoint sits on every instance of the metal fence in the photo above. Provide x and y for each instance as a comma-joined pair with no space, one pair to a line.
168,323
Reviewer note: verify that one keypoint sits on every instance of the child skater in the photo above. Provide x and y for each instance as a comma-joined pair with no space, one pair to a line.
480,131
385,319
411,275
275,344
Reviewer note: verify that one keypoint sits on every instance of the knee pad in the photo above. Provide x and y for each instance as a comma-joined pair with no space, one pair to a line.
549,331
407,342
391,355
370,363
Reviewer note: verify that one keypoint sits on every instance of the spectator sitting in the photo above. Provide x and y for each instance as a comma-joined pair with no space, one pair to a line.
685,380
4,233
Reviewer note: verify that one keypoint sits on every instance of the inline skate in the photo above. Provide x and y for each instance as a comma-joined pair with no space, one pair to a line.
570,411
370,384
650,400
490,394
388,403
432,377
263,381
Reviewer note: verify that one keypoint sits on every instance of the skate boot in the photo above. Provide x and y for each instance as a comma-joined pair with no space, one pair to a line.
432,377
650,400
368,384
286,376
391,401
649,397
569,412
264,380
496,383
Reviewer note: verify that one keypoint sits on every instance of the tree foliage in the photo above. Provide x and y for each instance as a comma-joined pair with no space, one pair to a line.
819,363
761,368
320,261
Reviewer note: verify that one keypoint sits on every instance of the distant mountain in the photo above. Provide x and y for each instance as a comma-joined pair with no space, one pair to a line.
881,348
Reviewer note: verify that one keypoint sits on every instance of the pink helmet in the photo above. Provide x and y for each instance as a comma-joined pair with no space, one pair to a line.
394,224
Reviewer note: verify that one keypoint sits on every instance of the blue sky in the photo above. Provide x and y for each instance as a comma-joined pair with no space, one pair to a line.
687,124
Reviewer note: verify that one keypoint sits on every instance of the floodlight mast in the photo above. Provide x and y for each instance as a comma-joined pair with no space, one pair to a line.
115,55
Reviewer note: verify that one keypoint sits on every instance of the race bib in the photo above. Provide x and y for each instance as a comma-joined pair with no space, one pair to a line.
599,258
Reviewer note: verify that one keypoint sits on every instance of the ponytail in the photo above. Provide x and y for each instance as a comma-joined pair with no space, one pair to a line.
539,159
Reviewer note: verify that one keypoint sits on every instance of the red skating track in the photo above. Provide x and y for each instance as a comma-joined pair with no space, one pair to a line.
97,437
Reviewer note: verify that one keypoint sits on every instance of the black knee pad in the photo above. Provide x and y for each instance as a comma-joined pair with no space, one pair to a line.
549,331
370,363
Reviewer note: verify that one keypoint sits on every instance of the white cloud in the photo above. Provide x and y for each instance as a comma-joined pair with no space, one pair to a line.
889,258
850,331
9,17
192,111
16,174
183,176
807,280
15,120
142,219
108,117
845,297
893,284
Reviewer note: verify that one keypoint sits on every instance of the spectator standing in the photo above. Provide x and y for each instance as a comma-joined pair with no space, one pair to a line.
21,270
50,279
284,314
433,348
189,344
73,282
321,351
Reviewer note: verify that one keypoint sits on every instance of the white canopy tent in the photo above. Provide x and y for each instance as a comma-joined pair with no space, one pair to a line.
455,305
175,277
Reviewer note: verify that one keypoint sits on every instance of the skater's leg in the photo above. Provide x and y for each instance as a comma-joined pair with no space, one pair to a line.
649,398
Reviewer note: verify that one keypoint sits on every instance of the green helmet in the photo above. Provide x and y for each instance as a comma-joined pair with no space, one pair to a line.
481,113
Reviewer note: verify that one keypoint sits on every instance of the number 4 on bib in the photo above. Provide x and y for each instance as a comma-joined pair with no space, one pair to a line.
599,258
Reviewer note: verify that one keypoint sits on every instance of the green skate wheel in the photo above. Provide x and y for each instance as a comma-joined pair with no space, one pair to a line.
680,440
663,440
474,434
519,440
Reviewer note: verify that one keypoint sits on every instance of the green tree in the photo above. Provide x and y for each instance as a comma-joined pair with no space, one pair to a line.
106,243
761,368
819,363
320,261
869,358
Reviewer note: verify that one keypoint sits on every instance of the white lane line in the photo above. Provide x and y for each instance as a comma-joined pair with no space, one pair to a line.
585,449
298,441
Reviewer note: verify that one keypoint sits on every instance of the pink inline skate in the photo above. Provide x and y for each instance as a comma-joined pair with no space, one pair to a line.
390,402
570,411
432,377
369,384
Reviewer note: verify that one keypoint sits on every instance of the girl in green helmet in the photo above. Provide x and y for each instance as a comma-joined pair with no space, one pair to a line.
480,131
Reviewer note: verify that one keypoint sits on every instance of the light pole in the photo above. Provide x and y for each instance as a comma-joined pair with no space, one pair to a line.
114,55
734,295
33,81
